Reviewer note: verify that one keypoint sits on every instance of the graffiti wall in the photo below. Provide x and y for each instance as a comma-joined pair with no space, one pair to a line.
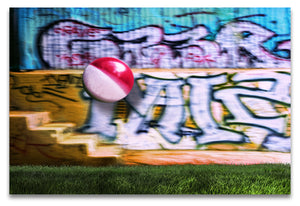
205,78
61,38
237,110
193,111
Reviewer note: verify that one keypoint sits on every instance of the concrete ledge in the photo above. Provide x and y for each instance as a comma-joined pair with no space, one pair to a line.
172,157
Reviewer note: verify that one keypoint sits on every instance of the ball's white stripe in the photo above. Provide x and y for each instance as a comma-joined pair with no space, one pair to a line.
101,86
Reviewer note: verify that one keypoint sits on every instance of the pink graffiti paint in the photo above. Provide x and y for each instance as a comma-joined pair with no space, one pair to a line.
77,59
108,79
80,32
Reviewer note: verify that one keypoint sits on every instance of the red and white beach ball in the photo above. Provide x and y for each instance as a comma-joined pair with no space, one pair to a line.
108,79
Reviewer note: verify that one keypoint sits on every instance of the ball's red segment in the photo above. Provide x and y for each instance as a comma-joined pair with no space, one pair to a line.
117,70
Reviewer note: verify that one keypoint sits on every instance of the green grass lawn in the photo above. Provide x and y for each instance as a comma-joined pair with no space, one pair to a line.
177,179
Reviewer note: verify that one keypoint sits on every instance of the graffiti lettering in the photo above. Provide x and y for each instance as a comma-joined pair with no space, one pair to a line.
69,30
231,97
249,100
77,59
73,44
243,41
200,100
54,86
62,80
